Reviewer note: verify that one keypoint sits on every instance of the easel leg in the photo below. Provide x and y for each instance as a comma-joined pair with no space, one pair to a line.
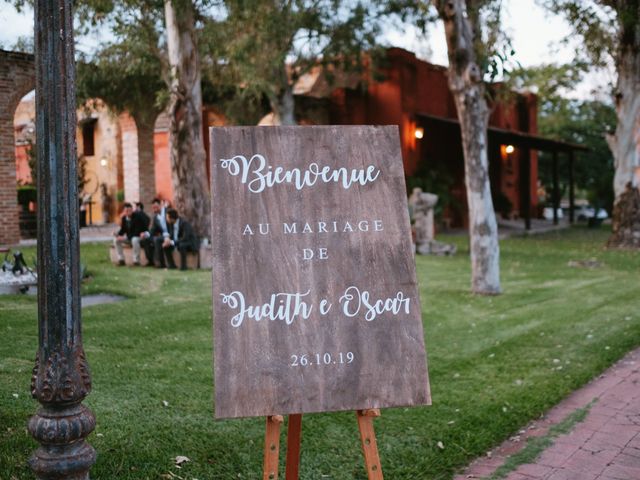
294,434
369,445
272,447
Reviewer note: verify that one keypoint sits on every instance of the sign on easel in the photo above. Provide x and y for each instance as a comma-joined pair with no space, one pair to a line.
316,304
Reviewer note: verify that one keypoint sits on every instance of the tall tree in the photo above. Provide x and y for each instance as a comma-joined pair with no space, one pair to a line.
170,35
610,30
129,79
188,156
469,53
268,45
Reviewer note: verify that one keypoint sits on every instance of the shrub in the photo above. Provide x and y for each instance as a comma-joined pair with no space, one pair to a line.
26,194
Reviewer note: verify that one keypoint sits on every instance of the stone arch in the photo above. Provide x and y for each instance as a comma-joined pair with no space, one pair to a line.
17,78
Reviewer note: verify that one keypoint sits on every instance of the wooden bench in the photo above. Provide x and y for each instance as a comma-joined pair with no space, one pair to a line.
193,258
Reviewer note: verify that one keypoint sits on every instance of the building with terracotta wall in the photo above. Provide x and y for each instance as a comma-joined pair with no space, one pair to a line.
24,129
98,140
415,96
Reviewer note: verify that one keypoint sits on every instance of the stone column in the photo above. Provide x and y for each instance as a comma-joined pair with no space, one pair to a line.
138,159
61,378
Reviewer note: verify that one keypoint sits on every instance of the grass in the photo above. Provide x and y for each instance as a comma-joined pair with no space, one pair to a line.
536,445
495,363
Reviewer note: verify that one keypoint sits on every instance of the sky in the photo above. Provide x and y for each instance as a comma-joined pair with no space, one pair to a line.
536,38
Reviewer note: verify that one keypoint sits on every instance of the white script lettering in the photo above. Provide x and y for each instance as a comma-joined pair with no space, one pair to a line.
353,301
281,306
258,176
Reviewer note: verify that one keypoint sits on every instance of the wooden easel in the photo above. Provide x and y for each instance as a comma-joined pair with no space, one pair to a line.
294,434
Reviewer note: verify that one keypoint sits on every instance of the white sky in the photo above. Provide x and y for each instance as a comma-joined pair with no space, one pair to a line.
533,32
535,35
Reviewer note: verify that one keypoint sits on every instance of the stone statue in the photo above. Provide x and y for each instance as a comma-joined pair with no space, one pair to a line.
421,205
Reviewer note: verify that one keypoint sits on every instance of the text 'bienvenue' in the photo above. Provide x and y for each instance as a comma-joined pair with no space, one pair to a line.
258,175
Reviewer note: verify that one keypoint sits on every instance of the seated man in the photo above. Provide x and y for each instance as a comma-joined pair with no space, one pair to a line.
151,240
141,218
181,236
131,226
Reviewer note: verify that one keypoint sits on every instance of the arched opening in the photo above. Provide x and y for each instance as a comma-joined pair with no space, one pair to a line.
99,138
24,127
17,79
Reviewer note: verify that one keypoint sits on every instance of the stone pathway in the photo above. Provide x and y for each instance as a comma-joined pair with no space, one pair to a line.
604,446
516,228
99,233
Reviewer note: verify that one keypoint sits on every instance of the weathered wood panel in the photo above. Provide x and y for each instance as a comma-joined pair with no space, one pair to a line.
295,334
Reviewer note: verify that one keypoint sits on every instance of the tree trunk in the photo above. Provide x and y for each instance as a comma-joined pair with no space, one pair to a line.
624,143
283,106
282,101
465,82
188,157
145,125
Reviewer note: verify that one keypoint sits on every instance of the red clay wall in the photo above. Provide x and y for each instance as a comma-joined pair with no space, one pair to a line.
23,172
164,187
414,87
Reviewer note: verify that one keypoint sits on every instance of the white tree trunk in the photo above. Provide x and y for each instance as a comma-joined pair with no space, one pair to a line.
624,143
284,107
187,155
465,81
283,102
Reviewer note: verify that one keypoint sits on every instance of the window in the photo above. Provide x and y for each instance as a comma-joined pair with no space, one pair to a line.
88,131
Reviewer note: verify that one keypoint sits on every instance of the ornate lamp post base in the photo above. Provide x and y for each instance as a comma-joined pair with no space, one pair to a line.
61,432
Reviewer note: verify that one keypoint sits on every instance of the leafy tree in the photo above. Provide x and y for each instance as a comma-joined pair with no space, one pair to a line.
162,36
265,46
128,77
610,33
187,152
477,50
586,122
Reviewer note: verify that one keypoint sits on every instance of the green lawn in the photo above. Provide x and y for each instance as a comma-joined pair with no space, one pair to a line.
495,363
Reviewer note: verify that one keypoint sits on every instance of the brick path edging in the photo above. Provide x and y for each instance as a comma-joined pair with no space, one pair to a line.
605,446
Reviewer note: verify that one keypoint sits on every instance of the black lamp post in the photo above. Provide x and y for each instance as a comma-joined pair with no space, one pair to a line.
61,378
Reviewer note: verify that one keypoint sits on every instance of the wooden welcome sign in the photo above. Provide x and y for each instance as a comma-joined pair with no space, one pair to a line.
316,304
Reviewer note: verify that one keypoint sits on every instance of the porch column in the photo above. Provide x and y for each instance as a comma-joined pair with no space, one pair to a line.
572,197
525,186
555,201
